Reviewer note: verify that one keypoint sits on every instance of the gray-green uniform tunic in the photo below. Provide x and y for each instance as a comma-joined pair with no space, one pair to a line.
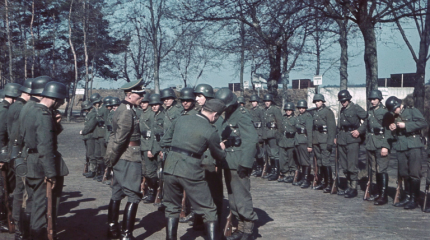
108,126
146,136
123,153
13,129
303,138
238,124
378,136
171,114
287,156
323,134
40,138
4,138
256,114
349,147
157,133
272,120
99,134
408,142
90,124
183,167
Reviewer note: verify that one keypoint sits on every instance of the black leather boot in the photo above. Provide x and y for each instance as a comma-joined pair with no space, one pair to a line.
259,171
90,174
152,192
198,223
188,218
39,234
24,224
299,178
102,172
306,183
113,215
269,168
415,194
407,194
212,230
320,185
342,192
98,171
172,228
128,221
353,190
248,233
329,179
382,182
275,172
3,217
237,234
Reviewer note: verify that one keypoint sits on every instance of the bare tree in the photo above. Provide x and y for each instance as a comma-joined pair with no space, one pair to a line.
9,41
69,114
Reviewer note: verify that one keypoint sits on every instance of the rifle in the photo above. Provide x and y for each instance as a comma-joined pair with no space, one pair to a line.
142,186
183,206
398,190
159,195
263,173
10,223
425,197
296,175
228,225
336,181
315,182
105,175
50,228
86,167
369,183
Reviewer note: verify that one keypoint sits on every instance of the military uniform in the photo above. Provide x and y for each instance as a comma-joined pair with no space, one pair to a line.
146,139
349,146
408,146
183,170
256,114
272,121
99,141
379,136
123,154
88,135
4,138
44,161
287,158
171,114
303,141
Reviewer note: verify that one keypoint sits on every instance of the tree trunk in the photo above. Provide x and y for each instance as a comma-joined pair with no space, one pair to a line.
53,48
24,49
92,76
69,113
154,29
32,39
9,40
84,29
343,42
370,56
275,69
242,56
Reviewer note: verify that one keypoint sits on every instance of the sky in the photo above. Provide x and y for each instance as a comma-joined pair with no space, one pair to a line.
393,57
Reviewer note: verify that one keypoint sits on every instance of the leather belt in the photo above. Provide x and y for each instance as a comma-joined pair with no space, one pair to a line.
186,152
403,133
32,150
321,128
301,130
134,144
347,129
376,130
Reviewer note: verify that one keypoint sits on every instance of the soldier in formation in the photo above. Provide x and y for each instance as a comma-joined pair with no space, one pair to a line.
286,143
256,115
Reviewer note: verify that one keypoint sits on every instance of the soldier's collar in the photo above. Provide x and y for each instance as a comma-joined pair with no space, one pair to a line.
34,99
199,114
20,100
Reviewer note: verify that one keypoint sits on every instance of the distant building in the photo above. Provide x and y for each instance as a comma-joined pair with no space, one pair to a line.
398,80
234,87
302,83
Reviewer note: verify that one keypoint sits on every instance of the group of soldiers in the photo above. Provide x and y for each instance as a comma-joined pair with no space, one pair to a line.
151,148
32,168
289,140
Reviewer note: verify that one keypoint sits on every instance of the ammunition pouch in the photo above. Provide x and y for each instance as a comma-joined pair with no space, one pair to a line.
233,142
377,130
402,132
3,155
15,152
289,134
301,130
321,128
257,124
159,136
348,128
109,128
146,134
20,166
271,125
100,123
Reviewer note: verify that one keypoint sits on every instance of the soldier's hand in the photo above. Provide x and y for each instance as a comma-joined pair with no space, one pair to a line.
401,125
355,133
161,154
150,154
384,152
309,149
335,141
51,180
1,165
58,117
80,132
222,145
392,127
243,171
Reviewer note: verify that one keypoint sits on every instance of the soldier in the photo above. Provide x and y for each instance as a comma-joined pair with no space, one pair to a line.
172,110
213,174
256,114
188,101
378,140
98,135
407,126
123,155
303,142
241,101
44,162
323,139
13,132
37,86
87,133
12,92
145,125
348,140
239,139
157,132
183,170
272,120
287,158
114,102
